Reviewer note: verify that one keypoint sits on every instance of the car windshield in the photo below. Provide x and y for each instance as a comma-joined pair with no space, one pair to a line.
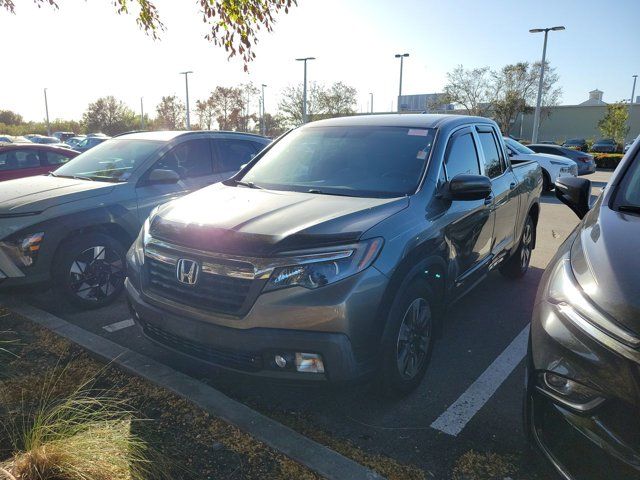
357,161
518,147
606,141
628,195
575,141
111,161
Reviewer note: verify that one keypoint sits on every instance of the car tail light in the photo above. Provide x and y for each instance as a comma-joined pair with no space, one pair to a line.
583,159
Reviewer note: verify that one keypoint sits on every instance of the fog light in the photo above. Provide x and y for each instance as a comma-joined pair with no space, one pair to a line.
280,361
569,392
309,362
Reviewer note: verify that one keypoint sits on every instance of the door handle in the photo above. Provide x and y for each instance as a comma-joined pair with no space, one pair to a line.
512,185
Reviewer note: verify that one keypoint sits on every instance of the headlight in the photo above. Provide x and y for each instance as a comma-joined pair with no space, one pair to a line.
136,252
571,303
313,272
23,250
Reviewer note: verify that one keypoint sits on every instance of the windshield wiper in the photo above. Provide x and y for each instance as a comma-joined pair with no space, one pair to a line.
76,177
629,208
321,192
247,184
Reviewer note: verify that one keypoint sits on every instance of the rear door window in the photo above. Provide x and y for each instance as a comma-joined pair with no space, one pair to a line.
462,156
189,159
57,158
493,162
19,159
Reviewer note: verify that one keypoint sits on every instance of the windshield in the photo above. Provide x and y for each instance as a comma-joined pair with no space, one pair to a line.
628,194
518,147
352,160
575,141
110,161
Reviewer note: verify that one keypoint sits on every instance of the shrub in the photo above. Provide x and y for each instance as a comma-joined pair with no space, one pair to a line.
607,160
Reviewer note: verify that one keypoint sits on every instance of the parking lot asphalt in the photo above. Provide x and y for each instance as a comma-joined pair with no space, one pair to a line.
470,398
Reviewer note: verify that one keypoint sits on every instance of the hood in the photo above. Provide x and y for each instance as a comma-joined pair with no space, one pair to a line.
606,265
36,194
556,158
256,222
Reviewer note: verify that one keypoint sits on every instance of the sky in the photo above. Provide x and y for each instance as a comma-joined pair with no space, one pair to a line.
85,50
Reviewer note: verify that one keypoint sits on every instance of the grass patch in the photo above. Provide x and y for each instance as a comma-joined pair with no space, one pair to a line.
70,417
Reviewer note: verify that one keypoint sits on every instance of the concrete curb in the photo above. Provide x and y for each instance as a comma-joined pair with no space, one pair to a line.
316,457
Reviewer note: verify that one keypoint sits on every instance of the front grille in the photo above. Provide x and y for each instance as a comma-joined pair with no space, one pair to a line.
218,293
239,360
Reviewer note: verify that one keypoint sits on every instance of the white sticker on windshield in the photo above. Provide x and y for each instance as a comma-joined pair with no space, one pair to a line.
418,132
422,154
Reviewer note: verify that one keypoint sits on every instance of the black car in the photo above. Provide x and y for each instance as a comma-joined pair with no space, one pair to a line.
576,144
586,163
582,399
605,145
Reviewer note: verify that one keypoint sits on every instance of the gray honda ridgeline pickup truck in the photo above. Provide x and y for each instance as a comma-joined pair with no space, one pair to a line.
333,253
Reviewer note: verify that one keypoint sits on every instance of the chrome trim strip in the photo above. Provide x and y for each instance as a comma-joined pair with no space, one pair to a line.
578,407
252,268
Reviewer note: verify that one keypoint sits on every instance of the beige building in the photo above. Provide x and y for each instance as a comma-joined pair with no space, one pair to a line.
573,121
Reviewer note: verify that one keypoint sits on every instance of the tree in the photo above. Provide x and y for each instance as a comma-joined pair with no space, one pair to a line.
110,116
170,114
10,118
206,113
233,24
338,100
471,89
614,123
228,104
274,125
249,91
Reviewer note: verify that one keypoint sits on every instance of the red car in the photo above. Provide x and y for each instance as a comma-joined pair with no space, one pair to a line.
19,160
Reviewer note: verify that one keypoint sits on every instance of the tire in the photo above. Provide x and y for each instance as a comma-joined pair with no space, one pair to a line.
547,186
407,340
518,263
89,271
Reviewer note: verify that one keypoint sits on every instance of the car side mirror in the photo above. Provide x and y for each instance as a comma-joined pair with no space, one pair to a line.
575,193
467,187
163,176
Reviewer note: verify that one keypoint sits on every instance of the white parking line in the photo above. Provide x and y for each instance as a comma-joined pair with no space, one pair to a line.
114,327
456,417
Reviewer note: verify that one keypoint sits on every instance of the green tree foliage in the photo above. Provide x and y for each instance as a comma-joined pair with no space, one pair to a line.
109,115
233,24
228,104
170,114
274,125
470,88
10,118
338,100
614,123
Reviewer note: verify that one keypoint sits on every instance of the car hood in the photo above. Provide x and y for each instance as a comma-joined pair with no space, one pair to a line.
254,222
548,156
36,194
606,266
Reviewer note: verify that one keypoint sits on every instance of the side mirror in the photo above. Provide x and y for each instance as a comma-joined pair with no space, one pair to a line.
163,176
575,193
467,187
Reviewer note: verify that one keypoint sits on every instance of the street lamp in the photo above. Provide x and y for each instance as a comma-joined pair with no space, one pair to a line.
186,82
536,117
141,113
371,95
401,56
264,128
633,90
46,109
304,88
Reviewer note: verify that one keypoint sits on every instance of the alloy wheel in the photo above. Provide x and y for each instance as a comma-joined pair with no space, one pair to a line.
96,273
525,249
414,339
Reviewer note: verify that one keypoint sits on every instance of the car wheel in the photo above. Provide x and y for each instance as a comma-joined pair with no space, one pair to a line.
408,338
90,271
547,186
518,263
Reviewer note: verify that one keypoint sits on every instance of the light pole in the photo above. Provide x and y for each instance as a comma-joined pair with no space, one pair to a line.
141,114
264,127
186,82
633,90
401,56
371,102
304,88
46,109
536,117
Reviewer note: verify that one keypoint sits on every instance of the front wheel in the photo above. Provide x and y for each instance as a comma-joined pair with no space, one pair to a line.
518,264
408,339
90,271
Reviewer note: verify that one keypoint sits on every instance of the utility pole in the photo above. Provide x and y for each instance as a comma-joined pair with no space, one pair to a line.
186,82
371,102
633,90
536,117
264,127
46,109
141,114
304,87
401,56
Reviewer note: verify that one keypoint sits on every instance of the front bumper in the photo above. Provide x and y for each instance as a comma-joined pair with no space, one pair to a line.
339,322
602,442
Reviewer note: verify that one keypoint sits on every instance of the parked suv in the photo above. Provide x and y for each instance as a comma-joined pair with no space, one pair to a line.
74,226
332,255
